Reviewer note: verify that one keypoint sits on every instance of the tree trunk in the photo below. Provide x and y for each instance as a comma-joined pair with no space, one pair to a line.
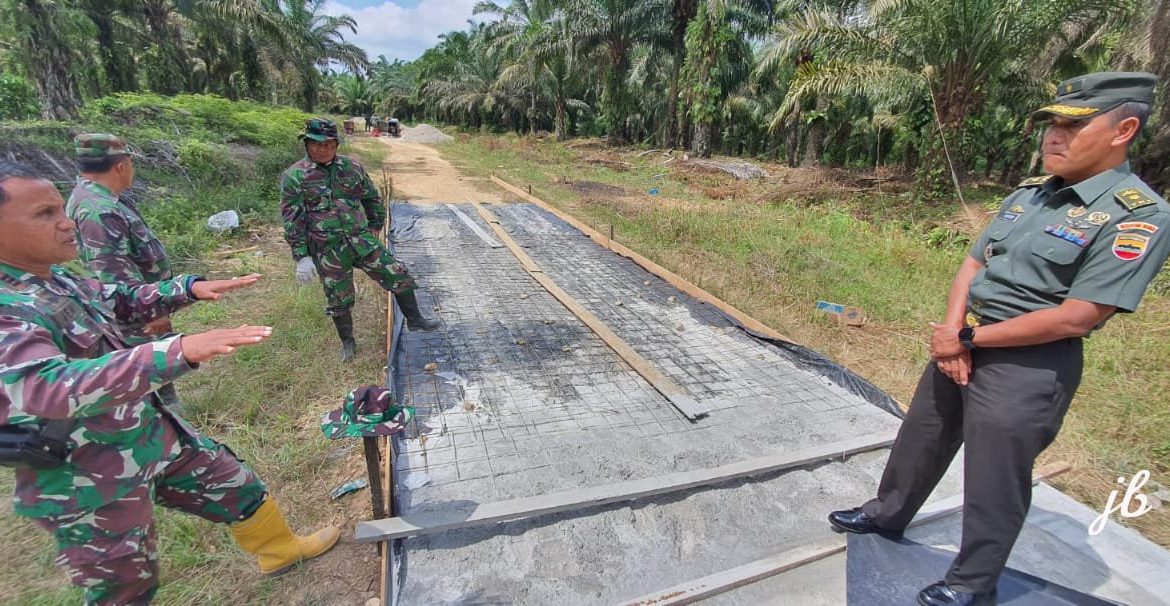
616,96
816,135
172,69
682,13
49,63
561,118
1154,163
118,65
701,144
792,145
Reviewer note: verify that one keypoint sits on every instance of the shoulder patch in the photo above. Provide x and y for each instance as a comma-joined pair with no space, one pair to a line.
1034,181
1133,198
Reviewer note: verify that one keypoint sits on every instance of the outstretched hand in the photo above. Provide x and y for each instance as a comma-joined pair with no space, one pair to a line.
221,342
212,290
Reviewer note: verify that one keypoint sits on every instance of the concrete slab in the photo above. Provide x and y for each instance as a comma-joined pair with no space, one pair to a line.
523,400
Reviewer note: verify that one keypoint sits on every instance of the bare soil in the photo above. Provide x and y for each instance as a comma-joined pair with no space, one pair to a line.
419,173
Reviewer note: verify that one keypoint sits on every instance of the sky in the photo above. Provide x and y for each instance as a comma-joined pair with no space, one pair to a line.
401,29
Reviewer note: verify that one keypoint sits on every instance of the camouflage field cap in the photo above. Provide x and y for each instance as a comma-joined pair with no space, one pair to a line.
367,412
1086,96
320,129
100,145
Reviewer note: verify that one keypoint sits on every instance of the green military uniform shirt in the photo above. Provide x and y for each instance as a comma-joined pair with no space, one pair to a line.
1101,240
113,240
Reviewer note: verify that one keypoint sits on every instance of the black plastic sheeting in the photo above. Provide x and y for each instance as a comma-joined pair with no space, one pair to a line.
811,361
880,571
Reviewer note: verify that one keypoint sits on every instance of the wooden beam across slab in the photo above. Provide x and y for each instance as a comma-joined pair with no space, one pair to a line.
475,228
734,578
489,513
672,391
670,277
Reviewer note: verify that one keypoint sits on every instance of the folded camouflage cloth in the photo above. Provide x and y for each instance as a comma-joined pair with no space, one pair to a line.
367,412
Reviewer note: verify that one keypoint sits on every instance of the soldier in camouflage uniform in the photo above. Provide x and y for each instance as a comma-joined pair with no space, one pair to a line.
63,360
332,215
113,240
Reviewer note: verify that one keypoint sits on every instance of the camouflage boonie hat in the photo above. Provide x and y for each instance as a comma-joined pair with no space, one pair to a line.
320,129
100,145
367,412
1089,95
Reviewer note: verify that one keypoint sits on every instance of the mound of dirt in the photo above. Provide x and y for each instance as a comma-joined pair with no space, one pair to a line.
425,133
50,164
595,188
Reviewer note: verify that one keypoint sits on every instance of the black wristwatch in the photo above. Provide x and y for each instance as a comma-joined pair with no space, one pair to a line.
967,337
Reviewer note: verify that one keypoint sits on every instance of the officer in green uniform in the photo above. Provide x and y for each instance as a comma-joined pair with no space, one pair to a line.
332,215
113,240
1065,252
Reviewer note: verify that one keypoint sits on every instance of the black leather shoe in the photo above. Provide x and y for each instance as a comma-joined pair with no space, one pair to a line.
855,521
941,594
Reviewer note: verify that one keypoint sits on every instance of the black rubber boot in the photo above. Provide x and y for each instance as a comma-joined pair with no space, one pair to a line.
408,303
344,326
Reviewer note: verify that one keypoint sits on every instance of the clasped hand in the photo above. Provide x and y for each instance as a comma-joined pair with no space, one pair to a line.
949,354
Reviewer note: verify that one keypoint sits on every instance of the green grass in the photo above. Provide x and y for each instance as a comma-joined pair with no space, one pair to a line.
774,255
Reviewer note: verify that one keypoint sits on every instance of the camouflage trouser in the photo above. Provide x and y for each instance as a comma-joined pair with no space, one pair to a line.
335,263
112,551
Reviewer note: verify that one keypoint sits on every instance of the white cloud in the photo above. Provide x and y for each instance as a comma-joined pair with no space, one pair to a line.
403,32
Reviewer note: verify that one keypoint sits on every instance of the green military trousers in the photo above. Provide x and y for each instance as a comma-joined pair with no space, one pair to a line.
336,260
1009,412
112,552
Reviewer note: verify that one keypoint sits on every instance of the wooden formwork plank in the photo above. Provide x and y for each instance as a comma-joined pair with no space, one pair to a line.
502,511
673,392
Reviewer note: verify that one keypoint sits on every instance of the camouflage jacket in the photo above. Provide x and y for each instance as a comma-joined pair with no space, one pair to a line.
113,240
322,204
62,357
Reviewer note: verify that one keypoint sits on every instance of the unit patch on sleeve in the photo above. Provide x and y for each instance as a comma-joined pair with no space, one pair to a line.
1130,246
1133,199
1138,226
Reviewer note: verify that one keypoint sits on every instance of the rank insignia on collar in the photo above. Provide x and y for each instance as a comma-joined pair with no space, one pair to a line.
1034,181
1016,208
1138,226
1133,199
1077,211
1099,218
1130,246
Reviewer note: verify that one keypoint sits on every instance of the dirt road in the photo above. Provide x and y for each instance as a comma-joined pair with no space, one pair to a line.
421,175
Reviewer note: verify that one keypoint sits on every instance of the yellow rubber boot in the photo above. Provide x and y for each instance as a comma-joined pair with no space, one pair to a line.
267,535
